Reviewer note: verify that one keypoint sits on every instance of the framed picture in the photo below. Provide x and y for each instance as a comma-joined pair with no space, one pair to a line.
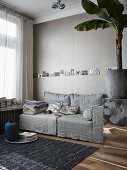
43,73
84,72
72,72
35,75
61,71
56,73
78,73
97,71
67,73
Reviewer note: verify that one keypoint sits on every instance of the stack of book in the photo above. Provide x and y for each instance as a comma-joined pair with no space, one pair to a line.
2,103
9,104
29,136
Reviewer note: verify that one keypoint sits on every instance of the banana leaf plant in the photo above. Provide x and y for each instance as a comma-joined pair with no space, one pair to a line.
110,13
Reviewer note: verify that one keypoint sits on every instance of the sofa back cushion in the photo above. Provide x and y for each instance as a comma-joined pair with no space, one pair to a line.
57,97
86,101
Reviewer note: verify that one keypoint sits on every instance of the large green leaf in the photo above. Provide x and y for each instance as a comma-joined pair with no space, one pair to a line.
123,21
92,24
92,8
114,7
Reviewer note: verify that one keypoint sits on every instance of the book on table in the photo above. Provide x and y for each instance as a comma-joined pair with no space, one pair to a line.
28,135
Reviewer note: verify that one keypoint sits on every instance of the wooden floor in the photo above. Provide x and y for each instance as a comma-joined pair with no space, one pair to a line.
99,160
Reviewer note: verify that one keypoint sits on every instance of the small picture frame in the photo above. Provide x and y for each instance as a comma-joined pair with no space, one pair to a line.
51,74
61,71
84,72
67,73
91,72
56,73
97,71
72,72
47,74
78,73
44,74
35,75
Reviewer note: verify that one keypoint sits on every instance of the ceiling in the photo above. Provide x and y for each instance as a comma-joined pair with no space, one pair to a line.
39,8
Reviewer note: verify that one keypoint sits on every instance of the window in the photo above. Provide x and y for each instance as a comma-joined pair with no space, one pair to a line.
8,28
8,43
16,55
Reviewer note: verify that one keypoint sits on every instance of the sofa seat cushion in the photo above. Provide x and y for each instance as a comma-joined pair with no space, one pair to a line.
41,123
86,101
75,127
57,97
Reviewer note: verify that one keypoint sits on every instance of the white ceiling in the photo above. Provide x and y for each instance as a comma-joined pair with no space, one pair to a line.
40,8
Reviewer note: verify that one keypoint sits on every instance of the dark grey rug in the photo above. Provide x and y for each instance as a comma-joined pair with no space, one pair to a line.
43,154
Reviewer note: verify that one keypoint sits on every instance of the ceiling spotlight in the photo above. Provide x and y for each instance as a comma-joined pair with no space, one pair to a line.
58,4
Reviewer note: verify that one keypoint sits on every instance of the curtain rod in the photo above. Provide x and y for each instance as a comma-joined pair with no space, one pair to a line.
14,9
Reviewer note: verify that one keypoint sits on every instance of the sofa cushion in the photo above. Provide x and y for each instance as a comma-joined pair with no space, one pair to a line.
75,127
41,123
86,101
87,114
69,110
54,107
56,97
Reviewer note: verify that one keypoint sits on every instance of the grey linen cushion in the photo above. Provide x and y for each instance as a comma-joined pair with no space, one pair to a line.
86,101
57,97
54,107
87,114
69,110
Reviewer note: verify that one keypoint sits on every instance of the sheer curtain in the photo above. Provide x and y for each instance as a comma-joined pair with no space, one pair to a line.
13,55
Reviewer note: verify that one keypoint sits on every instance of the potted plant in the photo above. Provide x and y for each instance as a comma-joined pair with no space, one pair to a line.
110,13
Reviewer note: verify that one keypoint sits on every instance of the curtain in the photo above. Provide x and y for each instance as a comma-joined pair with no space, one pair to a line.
15,54
27,59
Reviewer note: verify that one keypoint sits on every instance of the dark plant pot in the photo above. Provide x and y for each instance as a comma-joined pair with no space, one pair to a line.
116,83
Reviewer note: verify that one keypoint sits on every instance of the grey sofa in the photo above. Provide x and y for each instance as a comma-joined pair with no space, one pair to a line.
70,126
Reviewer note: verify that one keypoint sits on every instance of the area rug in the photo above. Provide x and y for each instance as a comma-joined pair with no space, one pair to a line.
43,154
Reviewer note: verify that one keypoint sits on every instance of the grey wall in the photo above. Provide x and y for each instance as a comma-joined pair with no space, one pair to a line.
58,46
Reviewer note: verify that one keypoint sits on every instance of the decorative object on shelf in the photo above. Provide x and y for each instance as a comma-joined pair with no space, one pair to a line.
56,73
84,72
91,72
61,72
35,75
51,74
2,102
47,74
43,73
72,72
58,5
40,75
110,14
78,73
9,104
97,71
67,73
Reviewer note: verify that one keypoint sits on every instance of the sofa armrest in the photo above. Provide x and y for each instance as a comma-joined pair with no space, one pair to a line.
97,119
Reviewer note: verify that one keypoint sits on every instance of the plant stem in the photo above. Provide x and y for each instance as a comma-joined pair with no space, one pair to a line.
119,50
